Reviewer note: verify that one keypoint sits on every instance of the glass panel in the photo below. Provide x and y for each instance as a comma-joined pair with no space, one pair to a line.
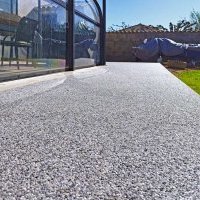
35,37
87,39
8,6
100,2
88,8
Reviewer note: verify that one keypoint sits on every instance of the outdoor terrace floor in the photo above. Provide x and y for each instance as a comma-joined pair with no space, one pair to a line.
121,131
12,72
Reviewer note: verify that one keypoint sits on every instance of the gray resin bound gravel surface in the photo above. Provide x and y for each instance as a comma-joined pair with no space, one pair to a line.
122,131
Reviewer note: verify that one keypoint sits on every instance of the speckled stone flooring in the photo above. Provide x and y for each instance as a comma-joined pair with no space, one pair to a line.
121,131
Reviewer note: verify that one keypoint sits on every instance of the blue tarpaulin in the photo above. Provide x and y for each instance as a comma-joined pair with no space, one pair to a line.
152,49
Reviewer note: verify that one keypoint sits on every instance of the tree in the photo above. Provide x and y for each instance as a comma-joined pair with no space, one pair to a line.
161,28
114,27
181,26
195,19
171,27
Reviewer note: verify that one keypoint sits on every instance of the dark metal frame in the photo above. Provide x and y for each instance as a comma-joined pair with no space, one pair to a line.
103,32
71,12
11,7
70,32
70,36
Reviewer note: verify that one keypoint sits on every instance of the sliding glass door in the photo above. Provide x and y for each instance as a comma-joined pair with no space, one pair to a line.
50,35
87,29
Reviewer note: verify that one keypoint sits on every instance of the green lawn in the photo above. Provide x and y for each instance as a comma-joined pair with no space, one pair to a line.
191,78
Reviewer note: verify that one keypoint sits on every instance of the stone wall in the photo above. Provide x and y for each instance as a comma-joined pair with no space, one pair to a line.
119,44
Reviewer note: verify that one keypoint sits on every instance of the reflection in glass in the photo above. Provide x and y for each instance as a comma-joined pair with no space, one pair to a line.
87,35
8,6
88,8
38,38
34,34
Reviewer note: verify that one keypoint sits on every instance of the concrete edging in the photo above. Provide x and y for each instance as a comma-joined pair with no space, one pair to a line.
22,75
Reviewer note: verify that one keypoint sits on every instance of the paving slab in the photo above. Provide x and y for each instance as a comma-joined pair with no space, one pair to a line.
121,131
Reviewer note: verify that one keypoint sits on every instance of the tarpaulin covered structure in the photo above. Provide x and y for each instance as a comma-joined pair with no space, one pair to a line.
152,49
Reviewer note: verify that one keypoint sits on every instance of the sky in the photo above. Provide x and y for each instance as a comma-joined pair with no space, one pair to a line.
154,12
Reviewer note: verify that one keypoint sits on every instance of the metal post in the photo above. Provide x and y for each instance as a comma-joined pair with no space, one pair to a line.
70,35
103,36
40,16
40,52
11,6
16,7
